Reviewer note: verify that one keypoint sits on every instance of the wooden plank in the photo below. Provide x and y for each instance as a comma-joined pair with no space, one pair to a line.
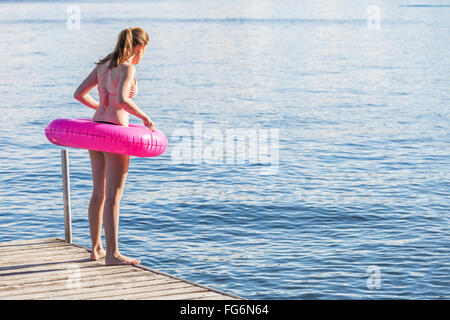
27,242
24,247
41,247
214,296
44,267
170,293
131,289
92,287
149,295
41,269
60,274
44,256
102,288
40,254
23,262
85,280
196,284
187,296
36,246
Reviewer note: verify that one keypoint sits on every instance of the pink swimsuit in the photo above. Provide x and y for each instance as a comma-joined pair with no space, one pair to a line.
104,92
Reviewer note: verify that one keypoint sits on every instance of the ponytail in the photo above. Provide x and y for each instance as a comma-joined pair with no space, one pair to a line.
128,39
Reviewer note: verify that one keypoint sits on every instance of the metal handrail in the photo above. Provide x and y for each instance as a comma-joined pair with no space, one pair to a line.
66,195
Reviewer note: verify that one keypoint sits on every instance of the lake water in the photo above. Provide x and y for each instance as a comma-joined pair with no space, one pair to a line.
357,206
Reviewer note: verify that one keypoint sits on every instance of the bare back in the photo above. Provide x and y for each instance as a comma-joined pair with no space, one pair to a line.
109,107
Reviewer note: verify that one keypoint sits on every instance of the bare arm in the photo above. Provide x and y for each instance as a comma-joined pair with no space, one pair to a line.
82,92
123,95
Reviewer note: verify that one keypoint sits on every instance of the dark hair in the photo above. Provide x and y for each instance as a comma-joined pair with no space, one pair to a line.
128,39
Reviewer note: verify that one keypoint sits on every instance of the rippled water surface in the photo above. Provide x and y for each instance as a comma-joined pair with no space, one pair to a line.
363,119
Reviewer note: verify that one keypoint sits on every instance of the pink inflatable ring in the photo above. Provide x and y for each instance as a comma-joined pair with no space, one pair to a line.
134,140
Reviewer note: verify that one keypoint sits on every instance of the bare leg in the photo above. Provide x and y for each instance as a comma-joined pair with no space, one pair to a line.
96,204
116,175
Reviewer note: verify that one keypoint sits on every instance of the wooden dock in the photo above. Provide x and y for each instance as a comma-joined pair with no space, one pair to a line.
57,270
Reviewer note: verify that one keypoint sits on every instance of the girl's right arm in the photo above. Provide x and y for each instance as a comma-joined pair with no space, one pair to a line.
123,96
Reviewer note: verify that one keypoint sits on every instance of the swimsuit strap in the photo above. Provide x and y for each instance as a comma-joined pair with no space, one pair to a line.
117,85
104,92
101,76
112,80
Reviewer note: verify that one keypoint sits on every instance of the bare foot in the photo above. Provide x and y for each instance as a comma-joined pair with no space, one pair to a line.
97,254
121,260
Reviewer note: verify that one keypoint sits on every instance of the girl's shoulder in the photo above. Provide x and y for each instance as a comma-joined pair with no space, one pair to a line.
101,69
127,68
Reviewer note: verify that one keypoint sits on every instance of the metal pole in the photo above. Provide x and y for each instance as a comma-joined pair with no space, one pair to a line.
66,195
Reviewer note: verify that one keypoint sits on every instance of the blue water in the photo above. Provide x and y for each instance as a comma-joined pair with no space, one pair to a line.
363,119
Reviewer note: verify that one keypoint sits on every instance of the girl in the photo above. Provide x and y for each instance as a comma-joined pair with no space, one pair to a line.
115,77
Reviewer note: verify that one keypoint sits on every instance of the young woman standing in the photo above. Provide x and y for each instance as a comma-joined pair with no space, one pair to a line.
115,77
